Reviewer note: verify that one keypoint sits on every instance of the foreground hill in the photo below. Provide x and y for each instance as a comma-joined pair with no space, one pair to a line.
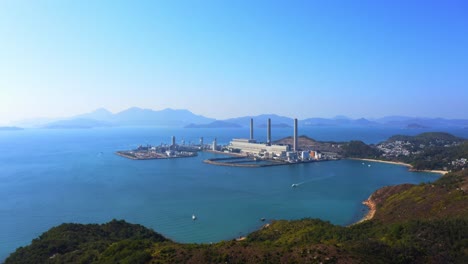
426,223
444,199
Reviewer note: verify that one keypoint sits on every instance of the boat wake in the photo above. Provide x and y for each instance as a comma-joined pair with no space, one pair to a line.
294,185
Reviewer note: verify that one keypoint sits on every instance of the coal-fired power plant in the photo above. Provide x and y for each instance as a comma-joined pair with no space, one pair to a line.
268,153
295,135
269,131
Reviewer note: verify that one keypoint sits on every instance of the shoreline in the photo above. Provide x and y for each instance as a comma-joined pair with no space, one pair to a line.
410,167
370,203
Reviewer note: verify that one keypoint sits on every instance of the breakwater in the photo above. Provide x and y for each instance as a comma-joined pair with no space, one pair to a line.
248,162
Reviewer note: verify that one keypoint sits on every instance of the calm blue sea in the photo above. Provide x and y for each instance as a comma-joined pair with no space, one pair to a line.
48,177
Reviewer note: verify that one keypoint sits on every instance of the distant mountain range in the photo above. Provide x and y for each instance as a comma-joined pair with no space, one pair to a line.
184,118
131,117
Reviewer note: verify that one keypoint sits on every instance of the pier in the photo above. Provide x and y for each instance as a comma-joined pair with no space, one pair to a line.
248,162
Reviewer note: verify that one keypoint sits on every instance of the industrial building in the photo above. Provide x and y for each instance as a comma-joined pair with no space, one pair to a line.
250,146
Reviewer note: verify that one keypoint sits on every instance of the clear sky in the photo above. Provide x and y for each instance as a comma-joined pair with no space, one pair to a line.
233,58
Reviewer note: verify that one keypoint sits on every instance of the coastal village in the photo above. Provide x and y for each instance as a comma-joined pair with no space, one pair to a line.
405,148
402,147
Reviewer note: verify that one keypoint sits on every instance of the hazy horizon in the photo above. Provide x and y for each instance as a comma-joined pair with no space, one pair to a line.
229,59
53,118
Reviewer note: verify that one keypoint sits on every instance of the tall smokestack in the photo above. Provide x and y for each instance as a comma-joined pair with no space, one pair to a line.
251,129
269,131
215,145
295,135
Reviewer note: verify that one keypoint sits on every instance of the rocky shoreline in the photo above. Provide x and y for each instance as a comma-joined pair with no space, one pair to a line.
378,197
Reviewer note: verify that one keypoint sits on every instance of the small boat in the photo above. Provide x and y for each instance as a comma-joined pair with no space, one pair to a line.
368,165
294,185
194,217
262,219
363,163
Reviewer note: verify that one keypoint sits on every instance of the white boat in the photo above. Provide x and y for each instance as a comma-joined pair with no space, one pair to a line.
368,165
294,185
194,217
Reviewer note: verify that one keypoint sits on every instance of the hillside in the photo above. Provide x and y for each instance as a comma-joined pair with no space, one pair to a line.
359,149
426,223
304,142
76,243
434,138
446,198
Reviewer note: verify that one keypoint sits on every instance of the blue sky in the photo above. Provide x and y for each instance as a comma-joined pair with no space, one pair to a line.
232,58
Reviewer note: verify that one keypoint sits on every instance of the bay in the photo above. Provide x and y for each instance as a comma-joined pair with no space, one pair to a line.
48,177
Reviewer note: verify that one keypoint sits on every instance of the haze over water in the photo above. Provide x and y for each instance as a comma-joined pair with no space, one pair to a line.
53,176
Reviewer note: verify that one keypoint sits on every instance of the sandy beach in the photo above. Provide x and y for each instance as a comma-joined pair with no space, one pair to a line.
372,209
402,164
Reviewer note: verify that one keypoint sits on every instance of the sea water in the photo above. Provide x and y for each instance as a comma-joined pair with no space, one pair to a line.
48,177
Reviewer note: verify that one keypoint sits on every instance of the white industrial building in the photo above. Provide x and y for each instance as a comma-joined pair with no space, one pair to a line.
251,147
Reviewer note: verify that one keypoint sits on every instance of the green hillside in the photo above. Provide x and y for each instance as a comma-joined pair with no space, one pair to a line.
425,138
